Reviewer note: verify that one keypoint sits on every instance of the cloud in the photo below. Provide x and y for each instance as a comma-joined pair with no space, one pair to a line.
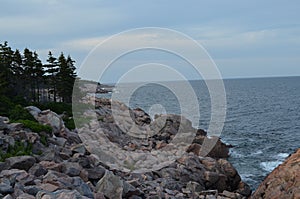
228,30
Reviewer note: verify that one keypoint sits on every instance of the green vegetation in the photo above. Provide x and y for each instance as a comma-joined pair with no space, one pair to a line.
44,140
20,113
25,80
18,149
35,126
25,75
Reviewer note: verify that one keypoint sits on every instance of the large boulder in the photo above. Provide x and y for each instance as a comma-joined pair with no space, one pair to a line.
283,181
50,118
60,194
21,162
110,185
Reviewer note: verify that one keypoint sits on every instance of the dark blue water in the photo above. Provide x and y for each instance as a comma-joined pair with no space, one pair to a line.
262,122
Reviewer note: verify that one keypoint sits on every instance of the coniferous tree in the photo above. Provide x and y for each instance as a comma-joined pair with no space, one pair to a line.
51,69
38,74
26,76
29,74
6,76
17,70
66,77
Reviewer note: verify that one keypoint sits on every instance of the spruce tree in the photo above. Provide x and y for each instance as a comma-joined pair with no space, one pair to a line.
51,69
66,78
6,56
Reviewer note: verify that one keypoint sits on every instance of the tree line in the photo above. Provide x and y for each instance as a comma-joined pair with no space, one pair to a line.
24,75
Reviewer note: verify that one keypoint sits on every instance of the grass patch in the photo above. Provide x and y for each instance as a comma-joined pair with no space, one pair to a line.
18,149
35,126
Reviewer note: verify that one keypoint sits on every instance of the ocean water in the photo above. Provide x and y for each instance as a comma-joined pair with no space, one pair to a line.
262,121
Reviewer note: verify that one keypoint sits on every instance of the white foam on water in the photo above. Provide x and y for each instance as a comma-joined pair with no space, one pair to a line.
270,166
282,155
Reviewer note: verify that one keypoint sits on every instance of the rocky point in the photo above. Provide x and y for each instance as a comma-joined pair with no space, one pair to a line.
68,167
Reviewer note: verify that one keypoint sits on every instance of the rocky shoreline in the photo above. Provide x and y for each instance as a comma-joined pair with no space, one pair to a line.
65,166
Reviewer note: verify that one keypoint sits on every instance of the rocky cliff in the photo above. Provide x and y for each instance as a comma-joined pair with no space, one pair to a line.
64,166
283,181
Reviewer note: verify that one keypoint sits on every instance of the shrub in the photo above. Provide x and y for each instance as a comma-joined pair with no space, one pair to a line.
69,123
60,108
44,140
57,107
18,149
20,113
35,126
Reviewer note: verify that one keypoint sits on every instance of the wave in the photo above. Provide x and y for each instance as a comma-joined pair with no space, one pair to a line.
282,155
270,166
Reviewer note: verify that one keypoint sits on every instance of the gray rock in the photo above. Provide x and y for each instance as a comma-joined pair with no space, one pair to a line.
79,148
34,111
51,154
73,138
71,168
96,173
110,185
59,141
37,170
13,175
21,162
6,189
60,194
15,126
228,194
25,196
32,190
3,166
129,190
82,187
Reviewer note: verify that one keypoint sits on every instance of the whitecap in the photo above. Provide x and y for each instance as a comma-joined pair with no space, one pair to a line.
282,155
270,166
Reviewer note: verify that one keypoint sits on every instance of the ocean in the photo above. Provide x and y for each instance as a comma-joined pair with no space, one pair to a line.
262,120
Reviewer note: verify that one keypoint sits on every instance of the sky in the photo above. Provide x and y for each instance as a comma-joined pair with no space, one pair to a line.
244,38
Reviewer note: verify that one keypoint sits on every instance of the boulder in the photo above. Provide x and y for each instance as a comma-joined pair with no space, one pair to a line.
21,162
110,185
6,188
50,118
283,181
13,174
60,194
59,141
95,173
25,196
78,148
37,170
71,168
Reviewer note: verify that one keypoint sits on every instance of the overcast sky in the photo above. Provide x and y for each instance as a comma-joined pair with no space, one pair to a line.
244,38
